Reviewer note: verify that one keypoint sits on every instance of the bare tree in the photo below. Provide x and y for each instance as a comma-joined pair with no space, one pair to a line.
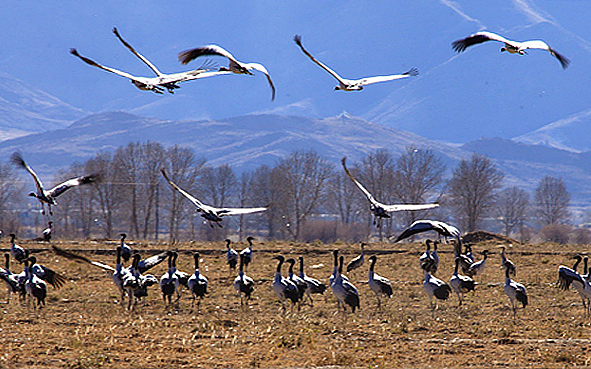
551,201
301,180
218,184
512,208
264,192
472,189
418,175
107,191
345,198
10,195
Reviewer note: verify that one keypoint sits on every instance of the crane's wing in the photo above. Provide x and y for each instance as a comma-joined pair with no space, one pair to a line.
566,276
262,69
298,41
200,206
70,255
152,261
237,211
365,192
78,181
108,69
538,44
188,55
17,159
478,38
52,277
140,56
370,80
405,207
425,225
199,73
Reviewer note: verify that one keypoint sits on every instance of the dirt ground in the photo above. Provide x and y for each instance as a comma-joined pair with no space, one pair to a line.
84,326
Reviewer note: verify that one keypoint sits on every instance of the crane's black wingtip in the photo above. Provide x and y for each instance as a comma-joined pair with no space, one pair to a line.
17,159
459,45
298,40
73,51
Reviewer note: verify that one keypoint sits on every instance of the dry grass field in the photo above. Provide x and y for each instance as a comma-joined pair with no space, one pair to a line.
84,326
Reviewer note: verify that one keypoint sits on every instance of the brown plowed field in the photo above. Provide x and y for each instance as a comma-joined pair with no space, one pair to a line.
84,326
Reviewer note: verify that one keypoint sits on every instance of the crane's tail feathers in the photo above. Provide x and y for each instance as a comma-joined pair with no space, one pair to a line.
69,255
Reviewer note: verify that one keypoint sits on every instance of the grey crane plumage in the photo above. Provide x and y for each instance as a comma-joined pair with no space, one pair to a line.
515,291
314,285
197,283
381,286
461,284
243,284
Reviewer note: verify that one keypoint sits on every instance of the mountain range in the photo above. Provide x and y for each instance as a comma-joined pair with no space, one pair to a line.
249,141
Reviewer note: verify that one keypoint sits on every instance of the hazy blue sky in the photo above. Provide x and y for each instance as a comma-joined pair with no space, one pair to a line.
478,93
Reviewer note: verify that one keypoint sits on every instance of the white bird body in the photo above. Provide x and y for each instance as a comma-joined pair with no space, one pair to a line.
48,196
381,210
425,225
301,285
353,84
512,47
208,212
47,232
9,278
156,84
568,277
234,65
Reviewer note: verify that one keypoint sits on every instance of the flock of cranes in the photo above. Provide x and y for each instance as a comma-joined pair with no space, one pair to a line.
170,81
133,282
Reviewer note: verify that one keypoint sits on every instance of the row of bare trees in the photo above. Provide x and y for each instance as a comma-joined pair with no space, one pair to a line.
307,196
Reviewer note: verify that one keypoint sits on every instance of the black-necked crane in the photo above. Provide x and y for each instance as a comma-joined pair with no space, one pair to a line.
136,283
48,196
234,65
506,263
46,274
435,287
380,210
381,286
48,232
314,285
197,283
443,229
461,284
358,260
156,84
515,291
9,278
299,282
118,273
247,252
345,292
477,267
283,287
231,255
353,84
335,269
467,258
429,261
18,253
169,282
512,47
125,249
35,286
210,213
243,284
568,277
